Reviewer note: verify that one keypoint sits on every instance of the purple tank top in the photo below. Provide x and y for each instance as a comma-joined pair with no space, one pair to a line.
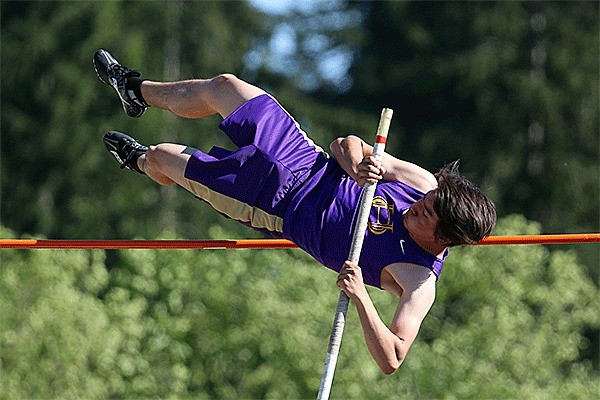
321,215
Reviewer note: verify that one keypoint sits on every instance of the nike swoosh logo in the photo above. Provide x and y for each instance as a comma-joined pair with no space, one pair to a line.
402,245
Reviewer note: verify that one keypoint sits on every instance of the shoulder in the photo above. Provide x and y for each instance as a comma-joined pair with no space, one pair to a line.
400,278
417,295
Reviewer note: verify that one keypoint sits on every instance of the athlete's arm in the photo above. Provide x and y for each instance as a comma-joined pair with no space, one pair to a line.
355,157
389,346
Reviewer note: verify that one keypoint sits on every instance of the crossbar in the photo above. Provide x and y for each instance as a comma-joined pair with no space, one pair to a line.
146,244
258,243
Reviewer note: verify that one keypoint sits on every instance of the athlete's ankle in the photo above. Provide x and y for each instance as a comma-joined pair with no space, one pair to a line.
134,84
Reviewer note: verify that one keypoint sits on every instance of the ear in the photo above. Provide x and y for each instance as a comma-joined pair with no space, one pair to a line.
445,242
442,240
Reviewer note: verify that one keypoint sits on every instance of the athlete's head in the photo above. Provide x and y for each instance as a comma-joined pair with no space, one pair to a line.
466,215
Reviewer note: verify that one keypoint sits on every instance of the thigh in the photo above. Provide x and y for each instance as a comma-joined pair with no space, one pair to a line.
245,185
264,123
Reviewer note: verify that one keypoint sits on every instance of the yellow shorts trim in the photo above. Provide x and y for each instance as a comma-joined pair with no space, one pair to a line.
236,209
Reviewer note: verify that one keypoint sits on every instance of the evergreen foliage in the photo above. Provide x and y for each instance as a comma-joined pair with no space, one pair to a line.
508,322
510,88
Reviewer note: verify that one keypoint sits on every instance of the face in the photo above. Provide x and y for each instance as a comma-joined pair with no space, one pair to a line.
421,220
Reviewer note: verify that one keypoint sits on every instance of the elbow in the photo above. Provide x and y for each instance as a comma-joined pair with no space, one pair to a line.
391,367
344,142
392,364
336,145
388,370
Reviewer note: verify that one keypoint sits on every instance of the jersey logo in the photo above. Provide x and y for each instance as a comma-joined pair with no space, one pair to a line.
383,222
402,245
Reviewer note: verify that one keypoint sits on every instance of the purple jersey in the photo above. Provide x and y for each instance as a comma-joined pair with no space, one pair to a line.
280,183
320,220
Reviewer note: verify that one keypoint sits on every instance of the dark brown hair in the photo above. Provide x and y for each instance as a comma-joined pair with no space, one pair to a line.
466,214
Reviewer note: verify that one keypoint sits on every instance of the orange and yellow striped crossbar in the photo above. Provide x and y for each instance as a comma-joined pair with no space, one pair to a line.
258,243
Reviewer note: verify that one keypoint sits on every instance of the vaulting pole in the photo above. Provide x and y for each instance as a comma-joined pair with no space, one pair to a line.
358,236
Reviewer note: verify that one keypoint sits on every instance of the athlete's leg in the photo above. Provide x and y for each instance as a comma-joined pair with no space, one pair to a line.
194,98
198,98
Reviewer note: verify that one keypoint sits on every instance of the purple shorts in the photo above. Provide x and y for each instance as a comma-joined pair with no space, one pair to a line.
255,183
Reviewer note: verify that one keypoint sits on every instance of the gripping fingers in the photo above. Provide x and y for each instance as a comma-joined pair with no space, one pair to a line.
369,166
344,278
370,177
349,278
369,172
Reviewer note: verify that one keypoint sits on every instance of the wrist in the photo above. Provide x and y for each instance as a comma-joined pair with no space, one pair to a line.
360,296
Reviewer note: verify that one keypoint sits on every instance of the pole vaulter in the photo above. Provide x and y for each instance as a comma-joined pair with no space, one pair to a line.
226,180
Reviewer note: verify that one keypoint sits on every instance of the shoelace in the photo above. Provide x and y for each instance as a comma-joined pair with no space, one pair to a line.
124,72
135,146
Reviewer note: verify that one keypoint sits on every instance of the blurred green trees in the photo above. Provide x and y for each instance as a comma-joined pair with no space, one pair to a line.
509,322
511,88
55,110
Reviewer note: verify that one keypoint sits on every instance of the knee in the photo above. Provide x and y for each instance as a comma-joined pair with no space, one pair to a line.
224,80
227,92
224,83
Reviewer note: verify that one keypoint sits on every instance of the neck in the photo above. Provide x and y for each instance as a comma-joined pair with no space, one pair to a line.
431,246
435,248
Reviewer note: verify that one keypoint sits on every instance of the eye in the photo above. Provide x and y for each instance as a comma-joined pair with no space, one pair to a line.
428,211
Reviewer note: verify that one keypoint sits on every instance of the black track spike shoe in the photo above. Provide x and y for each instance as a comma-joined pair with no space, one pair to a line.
125,149
114,74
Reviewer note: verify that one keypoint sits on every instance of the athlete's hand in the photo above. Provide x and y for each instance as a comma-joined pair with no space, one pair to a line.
350,280
369,171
